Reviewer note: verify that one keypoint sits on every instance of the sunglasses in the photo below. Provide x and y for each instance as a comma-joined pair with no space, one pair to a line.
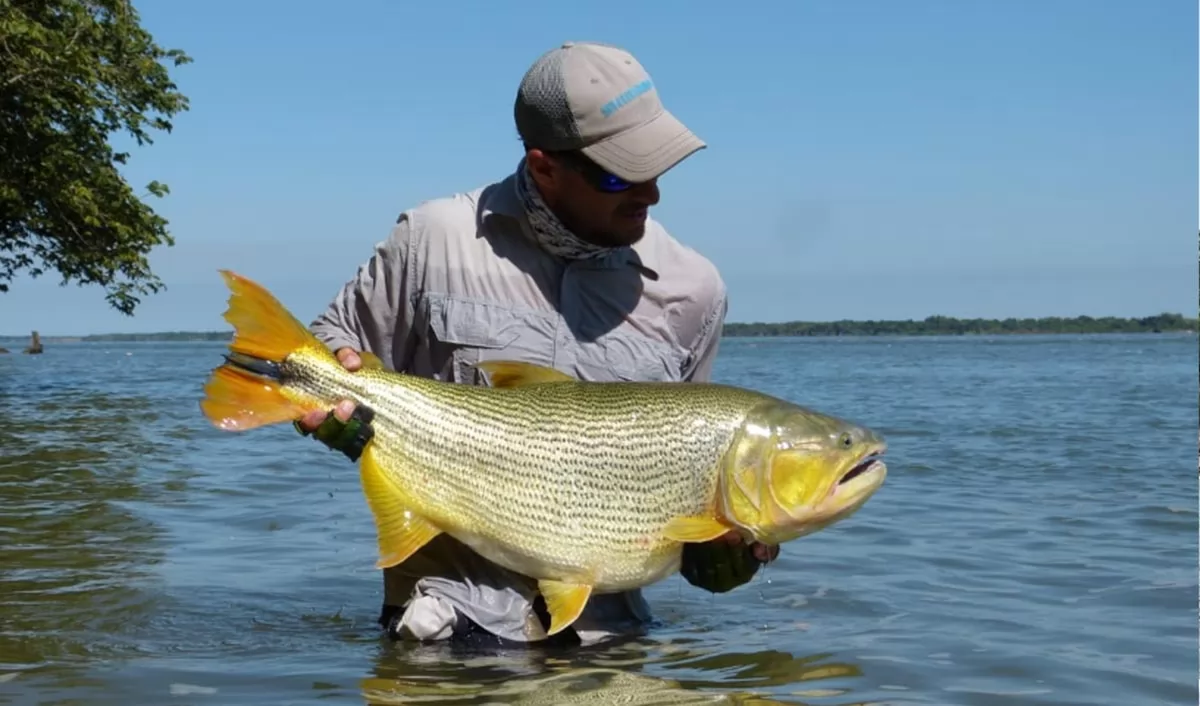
592,173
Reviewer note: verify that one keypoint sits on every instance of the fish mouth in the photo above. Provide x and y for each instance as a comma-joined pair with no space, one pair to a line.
871,461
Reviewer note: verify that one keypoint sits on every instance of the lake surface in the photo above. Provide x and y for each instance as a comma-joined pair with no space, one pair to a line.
1035,543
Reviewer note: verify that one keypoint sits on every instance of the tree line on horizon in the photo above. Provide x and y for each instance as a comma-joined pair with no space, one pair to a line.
951,326
929,326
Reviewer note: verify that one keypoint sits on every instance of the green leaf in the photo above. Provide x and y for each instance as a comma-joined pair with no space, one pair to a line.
73,73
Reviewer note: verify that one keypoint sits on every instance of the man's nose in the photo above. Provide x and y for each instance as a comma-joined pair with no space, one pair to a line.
645,193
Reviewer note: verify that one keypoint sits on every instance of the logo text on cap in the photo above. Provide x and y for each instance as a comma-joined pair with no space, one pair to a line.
626,97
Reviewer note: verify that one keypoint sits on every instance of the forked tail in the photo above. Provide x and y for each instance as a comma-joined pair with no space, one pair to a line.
246,391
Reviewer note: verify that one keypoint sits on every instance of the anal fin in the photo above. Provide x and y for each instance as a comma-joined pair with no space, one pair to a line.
564,601
694,528
400,530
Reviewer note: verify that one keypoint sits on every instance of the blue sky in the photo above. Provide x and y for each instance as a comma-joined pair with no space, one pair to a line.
866,159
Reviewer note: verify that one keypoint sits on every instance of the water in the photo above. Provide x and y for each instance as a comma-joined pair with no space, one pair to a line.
1036,543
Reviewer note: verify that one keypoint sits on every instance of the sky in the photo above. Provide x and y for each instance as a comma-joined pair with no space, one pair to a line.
865,160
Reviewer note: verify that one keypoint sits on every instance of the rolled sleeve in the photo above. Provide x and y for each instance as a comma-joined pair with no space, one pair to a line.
373,311
708,339
705,353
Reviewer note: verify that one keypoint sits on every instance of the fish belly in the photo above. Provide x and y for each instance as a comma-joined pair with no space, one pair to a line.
580,497
588,528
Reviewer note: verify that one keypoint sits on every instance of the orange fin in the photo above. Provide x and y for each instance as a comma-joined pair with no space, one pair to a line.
512,373
696,528
564,602
236,401
400,530
262,327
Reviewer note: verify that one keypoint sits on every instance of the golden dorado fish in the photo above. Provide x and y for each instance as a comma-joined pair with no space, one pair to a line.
587,487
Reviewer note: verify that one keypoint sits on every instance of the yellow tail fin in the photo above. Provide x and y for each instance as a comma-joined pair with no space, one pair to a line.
236,401
235,398
262,327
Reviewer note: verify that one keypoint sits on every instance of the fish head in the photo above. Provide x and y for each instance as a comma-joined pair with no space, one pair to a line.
792,471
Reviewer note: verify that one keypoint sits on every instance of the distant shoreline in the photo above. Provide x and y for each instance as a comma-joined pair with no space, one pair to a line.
951,326
931,326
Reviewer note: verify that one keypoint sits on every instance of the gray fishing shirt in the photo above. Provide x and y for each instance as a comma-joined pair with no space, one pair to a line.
462,279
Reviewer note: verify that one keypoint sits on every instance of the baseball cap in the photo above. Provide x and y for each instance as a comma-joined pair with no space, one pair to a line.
598,99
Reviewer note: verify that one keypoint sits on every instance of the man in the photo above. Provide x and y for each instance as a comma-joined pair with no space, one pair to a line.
558,264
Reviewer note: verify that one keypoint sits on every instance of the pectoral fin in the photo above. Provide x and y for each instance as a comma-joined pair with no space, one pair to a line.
564,602
401,531
694,528
512,373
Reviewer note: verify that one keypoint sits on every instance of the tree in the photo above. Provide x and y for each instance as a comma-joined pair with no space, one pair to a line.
72,73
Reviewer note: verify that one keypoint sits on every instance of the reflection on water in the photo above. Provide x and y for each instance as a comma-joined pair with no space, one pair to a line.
556,686
634,672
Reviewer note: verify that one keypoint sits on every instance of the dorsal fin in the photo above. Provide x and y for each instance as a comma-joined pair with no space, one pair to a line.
370,361
513,373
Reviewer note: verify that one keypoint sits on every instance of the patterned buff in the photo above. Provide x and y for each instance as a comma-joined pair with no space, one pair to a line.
551,234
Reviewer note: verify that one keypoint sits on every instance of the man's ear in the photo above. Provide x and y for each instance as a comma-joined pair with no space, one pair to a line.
542,168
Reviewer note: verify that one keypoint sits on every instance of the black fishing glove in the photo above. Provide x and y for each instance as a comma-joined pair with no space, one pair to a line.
717,566
349,437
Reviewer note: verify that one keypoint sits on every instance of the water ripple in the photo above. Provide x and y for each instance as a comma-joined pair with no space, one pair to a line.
1034,544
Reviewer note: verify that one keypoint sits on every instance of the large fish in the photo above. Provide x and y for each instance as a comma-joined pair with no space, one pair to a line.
587,487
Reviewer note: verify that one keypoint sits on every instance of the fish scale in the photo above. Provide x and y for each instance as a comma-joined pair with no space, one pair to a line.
586,487
504,469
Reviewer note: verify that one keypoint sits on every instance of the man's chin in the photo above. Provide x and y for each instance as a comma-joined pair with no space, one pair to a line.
626,234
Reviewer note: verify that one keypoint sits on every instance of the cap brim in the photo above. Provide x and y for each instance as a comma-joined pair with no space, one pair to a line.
647,151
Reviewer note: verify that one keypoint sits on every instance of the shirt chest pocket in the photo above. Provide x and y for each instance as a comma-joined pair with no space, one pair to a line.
464,332
627,355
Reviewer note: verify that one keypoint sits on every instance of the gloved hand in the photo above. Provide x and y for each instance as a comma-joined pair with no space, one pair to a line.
722,565
349,437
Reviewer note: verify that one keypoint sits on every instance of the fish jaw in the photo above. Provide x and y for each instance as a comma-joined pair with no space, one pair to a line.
851,491
858,484
791,472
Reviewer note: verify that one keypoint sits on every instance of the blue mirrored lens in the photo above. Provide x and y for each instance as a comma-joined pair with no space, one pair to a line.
608,182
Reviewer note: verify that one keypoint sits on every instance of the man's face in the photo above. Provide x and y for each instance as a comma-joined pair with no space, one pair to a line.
593,204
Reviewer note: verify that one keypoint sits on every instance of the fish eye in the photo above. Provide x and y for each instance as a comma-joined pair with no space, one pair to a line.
846,440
